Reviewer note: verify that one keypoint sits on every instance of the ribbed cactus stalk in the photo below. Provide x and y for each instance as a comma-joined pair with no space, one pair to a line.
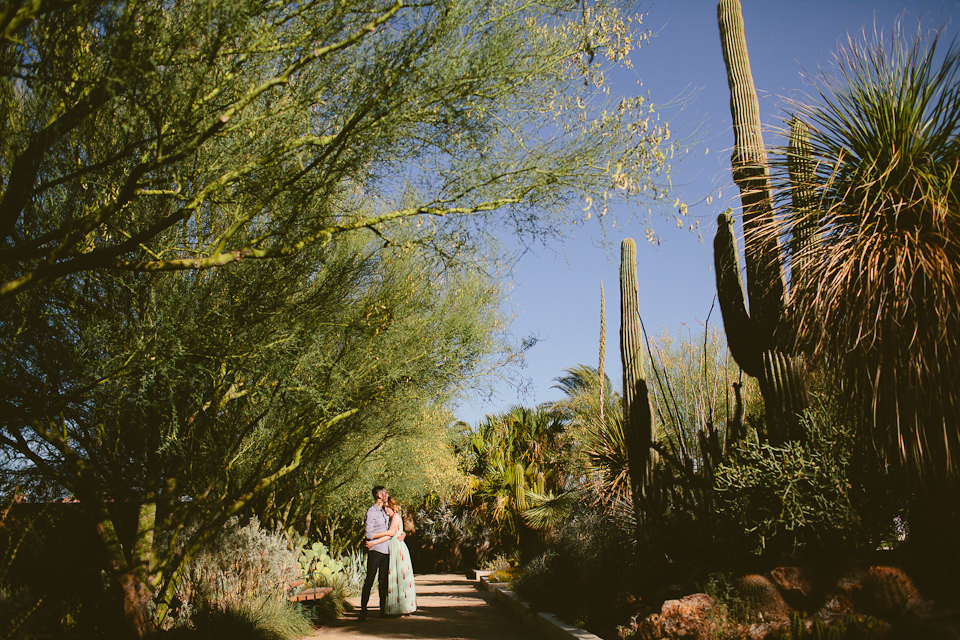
802,177
603,353
755,337
637,421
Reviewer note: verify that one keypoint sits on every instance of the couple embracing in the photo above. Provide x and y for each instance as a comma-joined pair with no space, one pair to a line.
387,556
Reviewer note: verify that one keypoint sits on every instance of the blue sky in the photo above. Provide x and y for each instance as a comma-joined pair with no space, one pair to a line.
555,292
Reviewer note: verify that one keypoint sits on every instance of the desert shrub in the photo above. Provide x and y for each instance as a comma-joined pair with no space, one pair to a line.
448,537
256,618
583,575
819,492
244,564
499,563
503,575
330,607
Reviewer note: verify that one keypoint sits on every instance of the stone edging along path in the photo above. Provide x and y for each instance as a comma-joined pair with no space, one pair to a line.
546,625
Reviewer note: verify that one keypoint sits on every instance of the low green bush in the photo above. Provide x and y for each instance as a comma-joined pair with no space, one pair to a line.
586,572
822,492
260,618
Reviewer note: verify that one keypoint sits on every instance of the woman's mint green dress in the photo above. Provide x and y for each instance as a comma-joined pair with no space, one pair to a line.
402,593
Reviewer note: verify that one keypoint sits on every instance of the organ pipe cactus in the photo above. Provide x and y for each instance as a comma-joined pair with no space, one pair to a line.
638,428
756,338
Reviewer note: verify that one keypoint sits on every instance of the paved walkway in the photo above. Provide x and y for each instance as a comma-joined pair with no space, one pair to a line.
448,606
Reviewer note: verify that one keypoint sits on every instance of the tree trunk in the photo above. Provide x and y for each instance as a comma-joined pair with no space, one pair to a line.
131,569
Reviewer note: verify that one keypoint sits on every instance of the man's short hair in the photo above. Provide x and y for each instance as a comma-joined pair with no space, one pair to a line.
376,492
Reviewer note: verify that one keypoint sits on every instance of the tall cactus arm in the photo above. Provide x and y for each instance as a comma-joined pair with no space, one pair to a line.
802,191
765,282
757,339
637,423
603,353
631,338
737,324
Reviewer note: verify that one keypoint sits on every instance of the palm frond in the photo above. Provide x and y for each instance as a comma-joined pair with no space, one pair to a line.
547,511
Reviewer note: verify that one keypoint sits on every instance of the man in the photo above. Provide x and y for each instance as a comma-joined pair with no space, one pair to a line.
378,556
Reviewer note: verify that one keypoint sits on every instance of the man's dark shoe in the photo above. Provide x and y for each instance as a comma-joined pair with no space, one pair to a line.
362,617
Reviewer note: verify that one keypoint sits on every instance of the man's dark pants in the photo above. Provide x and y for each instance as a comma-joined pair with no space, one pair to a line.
376,562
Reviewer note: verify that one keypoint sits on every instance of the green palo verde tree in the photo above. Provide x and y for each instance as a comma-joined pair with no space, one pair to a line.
164,393
147,136
141,138
759,339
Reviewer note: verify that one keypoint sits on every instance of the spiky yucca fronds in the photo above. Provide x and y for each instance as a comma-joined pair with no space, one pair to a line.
879,300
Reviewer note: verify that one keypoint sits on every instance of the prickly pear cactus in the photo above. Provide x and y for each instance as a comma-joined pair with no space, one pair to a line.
317,566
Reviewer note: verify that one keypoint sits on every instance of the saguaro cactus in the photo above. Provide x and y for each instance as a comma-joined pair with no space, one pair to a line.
603,353
638,429
755,338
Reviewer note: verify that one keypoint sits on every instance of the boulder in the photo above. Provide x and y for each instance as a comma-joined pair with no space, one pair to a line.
692,617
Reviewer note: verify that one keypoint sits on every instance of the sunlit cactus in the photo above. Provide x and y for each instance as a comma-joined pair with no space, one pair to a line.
637,422
756,336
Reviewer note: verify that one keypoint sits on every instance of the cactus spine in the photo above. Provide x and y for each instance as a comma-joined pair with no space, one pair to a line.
754,337
637,421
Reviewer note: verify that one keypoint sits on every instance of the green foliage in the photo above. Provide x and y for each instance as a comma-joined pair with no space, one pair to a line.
331,606
809,493
338,357
518,463
852,627
584,574
239,577
354,572
599,450
256,618
152,140
722,587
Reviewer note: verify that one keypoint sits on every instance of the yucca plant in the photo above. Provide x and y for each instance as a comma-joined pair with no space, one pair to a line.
880,301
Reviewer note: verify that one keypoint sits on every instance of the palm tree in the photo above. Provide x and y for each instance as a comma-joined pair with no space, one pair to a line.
879,297
600,449
520,462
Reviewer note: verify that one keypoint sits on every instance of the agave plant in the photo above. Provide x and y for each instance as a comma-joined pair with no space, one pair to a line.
876,294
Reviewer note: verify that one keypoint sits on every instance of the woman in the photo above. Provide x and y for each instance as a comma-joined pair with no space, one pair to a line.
402,594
